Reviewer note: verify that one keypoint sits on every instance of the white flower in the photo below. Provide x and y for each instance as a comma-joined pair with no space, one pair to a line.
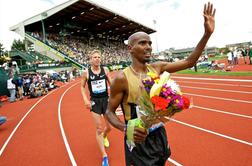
174,86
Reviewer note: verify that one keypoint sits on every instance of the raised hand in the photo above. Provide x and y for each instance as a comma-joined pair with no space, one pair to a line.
209,13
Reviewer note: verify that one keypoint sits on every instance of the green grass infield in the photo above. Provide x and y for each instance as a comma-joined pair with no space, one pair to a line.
214,72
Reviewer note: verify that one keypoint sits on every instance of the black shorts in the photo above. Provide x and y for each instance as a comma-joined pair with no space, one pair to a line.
154,151
99,105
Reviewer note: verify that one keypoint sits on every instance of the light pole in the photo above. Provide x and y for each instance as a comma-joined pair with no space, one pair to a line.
43,16
154,22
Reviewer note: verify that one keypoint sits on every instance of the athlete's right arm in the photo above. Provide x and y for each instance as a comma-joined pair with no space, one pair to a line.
83,89
117,92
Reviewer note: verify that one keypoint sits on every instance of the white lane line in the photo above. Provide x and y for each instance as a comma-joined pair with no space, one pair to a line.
174,162
20,122
212,132
119,113
220,98
224,112
212,79
214,89
70,154
221,84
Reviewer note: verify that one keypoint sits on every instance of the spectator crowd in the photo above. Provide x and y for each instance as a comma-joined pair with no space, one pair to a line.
78,48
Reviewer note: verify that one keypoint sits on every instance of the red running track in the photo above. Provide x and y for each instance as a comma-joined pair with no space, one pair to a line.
57,130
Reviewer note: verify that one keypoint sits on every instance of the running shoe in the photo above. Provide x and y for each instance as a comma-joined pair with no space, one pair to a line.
2,120
106,142
105,161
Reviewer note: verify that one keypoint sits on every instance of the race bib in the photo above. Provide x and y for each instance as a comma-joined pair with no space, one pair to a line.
98,86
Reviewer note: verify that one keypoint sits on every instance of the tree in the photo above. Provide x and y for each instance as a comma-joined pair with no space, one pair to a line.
1,49
18,45
224,50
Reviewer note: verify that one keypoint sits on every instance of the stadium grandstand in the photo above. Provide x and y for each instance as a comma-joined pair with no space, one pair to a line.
68,32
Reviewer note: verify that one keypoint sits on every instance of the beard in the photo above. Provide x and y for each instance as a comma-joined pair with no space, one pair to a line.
147,60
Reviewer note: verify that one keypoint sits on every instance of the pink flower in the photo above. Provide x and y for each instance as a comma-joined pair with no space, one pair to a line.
177,101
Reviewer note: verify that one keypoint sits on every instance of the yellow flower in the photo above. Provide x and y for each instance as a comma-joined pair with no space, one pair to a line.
156,88
151,74
156,81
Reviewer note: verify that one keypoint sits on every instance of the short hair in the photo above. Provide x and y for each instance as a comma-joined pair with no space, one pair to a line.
95,51
92,53
132,37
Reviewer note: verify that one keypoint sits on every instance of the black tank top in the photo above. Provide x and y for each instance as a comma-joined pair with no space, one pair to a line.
97,84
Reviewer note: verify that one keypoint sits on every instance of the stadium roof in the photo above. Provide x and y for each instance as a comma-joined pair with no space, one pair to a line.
83,17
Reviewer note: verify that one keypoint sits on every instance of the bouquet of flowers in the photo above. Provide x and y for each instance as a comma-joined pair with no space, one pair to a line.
159,100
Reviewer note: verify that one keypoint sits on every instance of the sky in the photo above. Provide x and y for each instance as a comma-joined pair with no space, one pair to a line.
179,23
